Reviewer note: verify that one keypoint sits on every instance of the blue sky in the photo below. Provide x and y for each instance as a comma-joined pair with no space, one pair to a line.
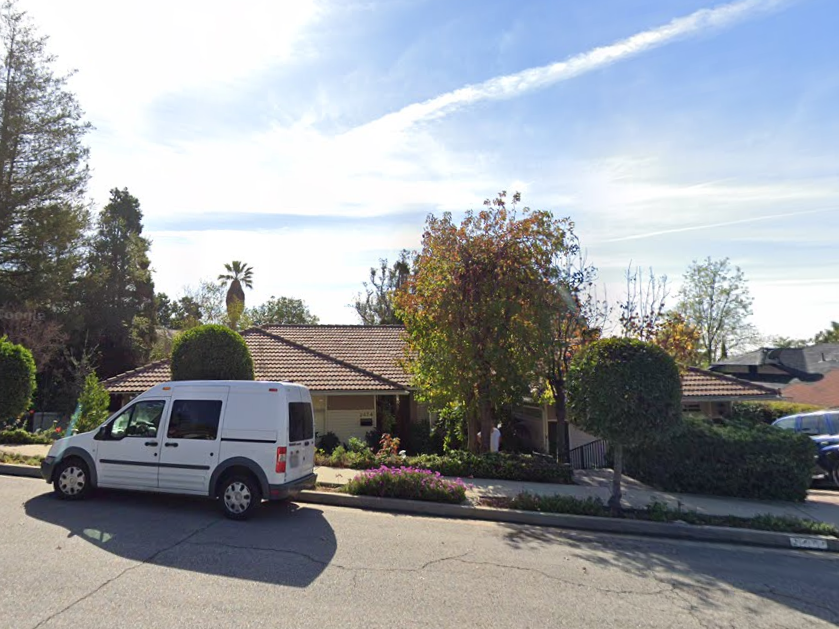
312,138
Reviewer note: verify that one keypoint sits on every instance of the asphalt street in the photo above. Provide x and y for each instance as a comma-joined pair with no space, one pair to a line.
131,560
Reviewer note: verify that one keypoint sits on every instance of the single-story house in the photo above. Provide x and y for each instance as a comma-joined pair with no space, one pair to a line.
808,375
703,391
358,381
354,373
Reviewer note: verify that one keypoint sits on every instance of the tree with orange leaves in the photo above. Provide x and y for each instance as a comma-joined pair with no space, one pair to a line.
477,309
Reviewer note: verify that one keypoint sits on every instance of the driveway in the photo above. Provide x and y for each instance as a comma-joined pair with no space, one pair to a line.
157,561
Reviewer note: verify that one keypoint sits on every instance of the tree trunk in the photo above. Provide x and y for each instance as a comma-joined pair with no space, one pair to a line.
617,474
486,424
562,442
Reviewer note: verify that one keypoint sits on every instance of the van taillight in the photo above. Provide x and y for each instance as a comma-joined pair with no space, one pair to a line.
281,453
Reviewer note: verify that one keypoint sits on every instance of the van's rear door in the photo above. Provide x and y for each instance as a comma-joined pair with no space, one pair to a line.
301,435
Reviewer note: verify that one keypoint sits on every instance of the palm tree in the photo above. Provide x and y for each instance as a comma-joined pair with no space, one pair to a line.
238,274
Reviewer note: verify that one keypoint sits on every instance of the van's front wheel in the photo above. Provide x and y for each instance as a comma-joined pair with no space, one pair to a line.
240,496
72,480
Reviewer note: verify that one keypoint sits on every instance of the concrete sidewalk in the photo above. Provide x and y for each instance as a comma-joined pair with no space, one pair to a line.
26,450
822,506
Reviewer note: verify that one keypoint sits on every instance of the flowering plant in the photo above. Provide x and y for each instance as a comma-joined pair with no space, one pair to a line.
408,482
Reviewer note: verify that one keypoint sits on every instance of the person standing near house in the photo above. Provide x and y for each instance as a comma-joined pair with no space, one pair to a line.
494,439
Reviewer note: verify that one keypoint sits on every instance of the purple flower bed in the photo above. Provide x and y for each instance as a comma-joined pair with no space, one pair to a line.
407,482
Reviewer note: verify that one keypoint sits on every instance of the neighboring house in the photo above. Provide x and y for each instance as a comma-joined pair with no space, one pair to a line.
353,372
705,392
358,382
808,375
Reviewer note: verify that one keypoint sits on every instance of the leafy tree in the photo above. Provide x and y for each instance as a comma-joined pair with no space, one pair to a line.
786,342
626,391
376,306
577,318
92,406
211,352
238,274
715,300
830,335
43,170
118,289
279,310
477,308
17,379
679,339
42,336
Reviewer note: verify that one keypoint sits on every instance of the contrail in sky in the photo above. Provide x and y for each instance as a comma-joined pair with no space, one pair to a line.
691,228
513,85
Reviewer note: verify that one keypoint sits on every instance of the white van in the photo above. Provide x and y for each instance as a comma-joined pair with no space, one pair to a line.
239,441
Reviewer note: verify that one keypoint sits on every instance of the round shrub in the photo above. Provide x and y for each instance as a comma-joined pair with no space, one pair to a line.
624,391
17,379
211,352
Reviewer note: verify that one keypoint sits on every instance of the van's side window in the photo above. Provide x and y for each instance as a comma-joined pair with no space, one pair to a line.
194,419
141,420
301,426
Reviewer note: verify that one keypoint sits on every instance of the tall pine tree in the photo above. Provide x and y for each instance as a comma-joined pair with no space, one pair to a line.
120,312
43,171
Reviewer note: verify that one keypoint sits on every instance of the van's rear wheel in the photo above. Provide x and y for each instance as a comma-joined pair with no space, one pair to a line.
72,480
239,496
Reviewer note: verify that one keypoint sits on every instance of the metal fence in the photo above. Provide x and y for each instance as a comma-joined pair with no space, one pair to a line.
589,456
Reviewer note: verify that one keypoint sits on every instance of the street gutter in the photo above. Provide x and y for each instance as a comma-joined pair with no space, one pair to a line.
14,469
674,530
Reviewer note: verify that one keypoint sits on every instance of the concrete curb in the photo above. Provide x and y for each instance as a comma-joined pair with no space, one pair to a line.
12,469
692,532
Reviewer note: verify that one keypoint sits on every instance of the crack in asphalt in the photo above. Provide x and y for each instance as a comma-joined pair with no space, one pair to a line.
107,582
325,563
552,577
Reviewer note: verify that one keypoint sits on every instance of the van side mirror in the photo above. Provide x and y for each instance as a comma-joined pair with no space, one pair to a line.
101,434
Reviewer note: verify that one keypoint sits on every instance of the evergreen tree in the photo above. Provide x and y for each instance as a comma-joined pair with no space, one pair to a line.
120,310
43,170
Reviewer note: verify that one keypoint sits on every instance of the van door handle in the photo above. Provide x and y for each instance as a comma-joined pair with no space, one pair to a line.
151,443
171,445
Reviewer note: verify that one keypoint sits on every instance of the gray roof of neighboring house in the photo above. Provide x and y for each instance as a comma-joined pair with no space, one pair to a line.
799,362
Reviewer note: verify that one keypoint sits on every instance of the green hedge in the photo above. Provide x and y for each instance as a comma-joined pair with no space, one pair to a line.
759,462
211,352
492,465
17,379
19,436
767,412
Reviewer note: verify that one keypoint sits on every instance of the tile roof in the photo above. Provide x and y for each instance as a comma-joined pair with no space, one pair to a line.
702,384
323,358
823,392
369,358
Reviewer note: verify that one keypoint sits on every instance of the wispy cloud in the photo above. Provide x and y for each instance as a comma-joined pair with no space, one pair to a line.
512,85
753,219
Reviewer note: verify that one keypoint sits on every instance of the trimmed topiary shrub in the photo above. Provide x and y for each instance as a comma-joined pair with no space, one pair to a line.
627,392
17,380
699,457
211,352
753,413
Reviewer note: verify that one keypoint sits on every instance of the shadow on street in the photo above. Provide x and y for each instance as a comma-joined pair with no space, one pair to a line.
283,544
802,581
